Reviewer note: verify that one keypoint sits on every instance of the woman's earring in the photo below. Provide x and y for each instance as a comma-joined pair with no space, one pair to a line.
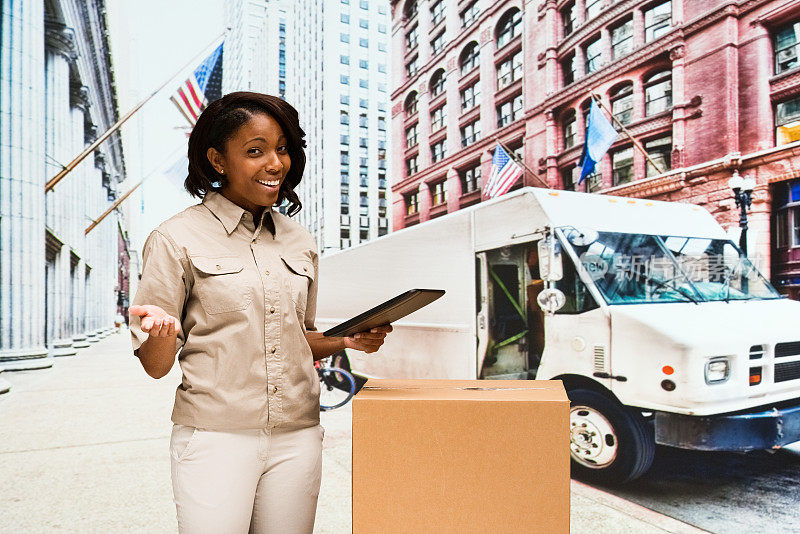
222,171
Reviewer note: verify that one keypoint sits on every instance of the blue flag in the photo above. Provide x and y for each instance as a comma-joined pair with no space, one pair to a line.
600,135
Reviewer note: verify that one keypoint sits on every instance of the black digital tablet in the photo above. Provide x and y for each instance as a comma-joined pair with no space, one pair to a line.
387,312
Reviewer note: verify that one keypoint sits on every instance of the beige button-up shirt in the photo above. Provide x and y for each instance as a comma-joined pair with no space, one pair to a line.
245,295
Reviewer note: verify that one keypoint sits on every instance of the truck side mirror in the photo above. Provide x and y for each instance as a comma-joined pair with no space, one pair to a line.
550,266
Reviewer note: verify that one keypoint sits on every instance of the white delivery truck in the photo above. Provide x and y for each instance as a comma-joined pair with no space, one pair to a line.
662,331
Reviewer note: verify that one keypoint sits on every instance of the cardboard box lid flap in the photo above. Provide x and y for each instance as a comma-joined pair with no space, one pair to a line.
471,390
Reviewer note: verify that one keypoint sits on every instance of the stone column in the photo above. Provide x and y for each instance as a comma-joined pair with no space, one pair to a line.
22,178
80,104
679,100
453,189
60,52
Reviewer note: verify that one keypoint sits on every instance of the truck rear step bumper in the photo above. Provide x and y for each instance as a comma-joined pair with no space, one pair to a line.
771,429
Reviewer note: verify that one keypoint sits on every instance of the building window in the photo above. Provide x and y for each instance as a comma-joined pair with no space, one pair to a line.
344,60
363,103
344,37
660,151
437,12
437,83
344,157
593,53
569,69
344,99
568,182
411,9
364,43
568,18
438,195
787,122
509,27
586,108
593,8
658,93
344,80
509,111
657,21
469,57
363,83
622,39
470,96
470,15
363,23
470,133
622,165
470,178
362,63
412,67
437,45
438,151
568,128
411,136
622,103
410,104
509,71
344,118
412,203
411,166
412,38
438,118
787,47
364,4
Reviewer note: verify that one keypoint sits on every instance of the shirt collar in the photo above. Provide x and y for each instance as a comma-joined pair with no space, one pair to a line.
229,213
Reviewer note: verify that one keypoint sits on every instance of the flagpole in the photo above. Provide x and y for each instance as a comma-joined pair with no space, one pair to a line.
124,197
514,157
91,148
636,143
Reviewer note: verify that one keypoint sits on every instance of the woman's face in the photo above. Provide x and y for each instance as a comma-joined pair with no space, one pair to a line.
255,163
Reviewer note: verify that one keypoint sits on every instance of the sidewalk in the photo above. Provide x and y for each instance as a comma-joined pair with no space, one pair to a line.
83,448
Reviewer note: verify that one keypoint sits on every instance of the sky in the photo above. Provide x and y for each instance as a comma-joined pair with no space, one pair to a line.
150,41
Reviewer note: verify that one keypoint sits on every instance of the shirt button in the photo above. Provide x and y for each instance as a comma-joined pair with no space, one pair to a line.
274,389
218,267
266,273
273,349
305,269
272,309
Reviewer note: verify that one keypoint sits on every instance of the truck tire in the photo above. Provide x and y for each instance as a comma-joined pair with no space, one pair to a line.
609,443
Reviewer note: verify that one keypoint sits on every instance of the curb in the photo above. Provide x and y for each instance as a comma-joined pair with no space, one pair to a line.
635,511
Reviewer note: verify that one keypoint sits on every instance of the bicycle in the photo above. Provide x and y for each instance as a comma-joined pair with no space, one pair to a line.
336,386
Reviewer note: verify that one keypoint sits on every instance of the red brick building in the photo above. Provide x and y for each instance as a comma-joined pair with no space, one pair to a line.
708,88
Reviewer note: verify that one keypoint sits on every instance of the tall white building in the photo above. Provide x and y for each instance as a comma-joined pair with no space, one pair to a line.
254,55
338,65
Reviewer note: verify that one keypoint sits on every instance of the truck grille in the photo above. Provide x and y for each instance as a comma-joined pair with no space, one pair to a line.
791,348
787,371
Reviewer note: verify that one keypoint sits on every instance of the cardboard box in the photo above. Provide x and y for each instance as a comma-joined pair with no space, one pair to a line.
461,456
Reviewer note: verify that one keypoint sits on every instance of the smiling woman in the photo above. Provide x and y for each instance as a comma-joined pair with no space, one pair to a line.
232,284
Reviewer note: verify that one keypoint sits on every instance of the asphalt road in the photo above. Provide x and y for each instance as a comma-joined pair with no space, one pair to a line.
722,492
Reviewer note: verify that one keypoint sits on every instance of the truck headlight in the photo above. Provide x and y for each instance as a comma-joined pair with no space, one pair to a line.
717,370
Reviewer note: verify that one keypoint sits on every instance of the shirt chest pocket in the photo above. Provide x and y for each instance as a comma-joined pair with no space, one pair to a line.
220,284
298,280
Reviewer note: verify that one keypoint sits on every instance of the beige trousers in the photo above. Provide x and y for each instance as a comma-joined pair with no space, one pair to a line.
256,481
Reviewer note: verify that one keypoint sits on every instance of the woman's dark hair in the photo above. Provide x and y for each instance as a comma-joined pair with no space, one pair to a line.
221,120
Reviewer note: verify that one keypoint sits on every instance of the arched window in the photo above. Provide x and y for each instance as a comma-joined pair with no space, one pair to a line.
510,26
410,9
437,83
410,104
657,92
622,102
568,128
469,57
586,107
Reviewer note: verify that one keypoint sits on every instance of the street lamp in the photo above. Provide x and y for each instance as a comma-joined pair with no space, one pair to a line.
742,193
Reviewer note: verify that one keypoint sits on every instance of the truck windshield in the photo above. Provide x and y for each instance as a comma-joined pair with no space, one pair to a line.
641,268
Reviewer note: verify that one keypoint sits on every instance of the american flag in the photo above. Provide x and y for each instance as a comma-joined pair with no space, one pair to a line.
202,87
504,174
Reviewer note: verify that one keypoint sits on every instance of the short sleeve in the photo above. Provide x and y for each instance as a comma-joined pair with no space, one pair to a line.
163,284
311,302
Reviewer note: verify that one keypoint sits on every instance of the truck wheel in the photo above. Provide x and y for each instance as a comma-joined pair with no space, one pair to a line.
608,442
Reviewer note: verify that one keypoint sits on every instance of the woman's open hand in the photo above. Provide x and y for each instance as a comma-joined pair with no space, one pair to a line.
369,341
155,321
